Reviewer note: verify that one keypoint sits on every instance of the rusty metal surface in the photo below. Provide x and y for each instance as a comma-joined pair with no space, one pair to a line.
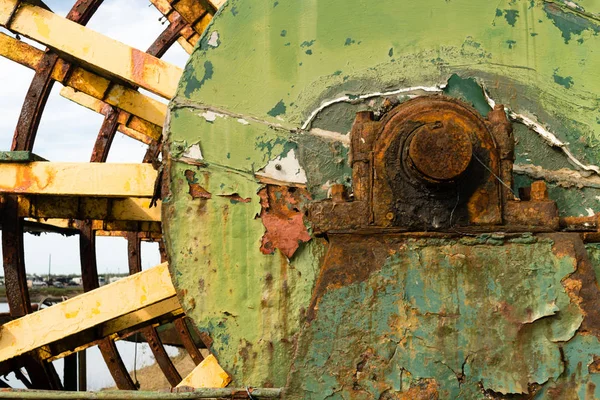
160,354
440,150
115,365
186,338
13,258
428,164
106,134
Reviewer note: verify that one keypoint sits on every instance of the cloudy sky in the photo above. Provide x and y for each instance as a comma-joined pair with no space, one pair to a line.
67,131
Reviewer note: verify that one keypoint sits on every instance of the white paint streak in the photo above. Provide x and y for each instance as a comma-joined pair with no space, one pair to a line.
335,136
211,116
284,169
194,152
213,41
548,136
348,98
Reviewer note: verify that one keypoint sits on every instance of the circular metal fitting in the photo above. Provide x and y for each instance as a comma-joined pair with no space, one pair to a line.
440,151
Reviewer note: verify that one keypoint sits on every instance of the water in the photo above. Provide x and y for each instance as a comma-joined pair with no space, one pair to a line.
98,375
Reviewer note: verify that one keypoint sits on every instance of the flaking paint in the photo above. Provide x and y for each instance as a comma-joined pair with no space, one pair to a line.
254,305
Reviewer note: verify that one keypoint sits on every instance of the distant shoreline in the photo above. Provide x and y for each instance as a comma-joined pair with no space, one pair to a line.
38,294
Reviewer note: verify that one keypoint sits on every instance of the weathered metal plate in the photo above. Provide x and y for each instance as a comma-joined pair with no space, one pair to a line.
270,95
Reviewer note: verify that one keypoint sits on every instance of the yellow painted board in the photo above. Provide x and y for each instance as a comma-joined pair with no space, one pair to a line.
62,207
207,374
167,306
85,311
217,3
162,5
135,210
93,48
186,46
19,52
85,82
7,7
137,104
83,99
78,179
139,129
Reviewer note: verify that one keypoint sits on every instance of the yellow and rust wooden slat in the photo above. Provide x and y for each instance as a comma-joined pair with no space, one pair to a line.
78,179
207,374
163,311
134,127
87,82
109,56
62,207
86,311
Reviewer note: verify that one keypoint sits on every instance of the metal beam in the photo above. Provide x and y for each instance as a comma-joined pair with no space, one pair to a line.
78,179
109,56
85,311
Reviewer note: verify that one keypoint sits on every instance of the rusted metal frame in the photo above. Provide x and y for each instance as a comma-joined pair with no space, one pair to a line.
166,39
115,365
87,254
134,253
34,104
111,121
160,354
89,274
160,46
106,135
186,338
13,259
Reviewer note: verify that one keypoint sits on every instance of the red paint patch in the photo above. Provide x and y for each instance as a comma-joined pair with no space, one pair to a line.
282,216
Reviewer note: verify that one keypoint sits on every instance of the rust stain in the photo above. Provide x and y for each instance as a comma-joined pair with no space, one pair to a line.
196,191
236,198
425,389
282,217
581,285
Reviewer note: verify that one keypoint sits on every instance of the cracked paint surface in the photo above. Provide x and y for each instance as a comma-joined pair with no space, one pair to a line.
450,318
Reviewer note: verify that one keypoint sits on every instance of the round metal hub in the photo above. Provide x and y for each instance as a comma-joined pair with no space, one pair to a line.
441,151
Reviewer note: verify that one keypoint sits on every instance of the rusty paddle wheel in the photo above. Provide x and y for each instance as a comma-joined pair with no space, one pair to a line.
113,93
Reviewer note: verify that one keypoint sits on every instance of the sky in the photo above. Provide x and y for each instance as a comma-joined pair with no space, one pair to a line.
68,131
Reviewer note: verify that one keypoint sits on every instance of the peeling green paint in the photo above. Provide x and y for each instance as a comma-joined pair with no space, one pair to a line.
511,16
570,23
566,81
452,312
279,108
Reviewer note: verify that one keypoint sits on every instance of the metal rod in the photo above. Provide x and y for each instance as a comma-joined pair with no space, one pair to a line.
257,393
82,370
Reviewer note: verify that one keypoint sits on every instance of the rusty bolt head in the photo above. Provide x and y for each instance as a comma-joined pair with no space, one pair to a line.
539,191
441,151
